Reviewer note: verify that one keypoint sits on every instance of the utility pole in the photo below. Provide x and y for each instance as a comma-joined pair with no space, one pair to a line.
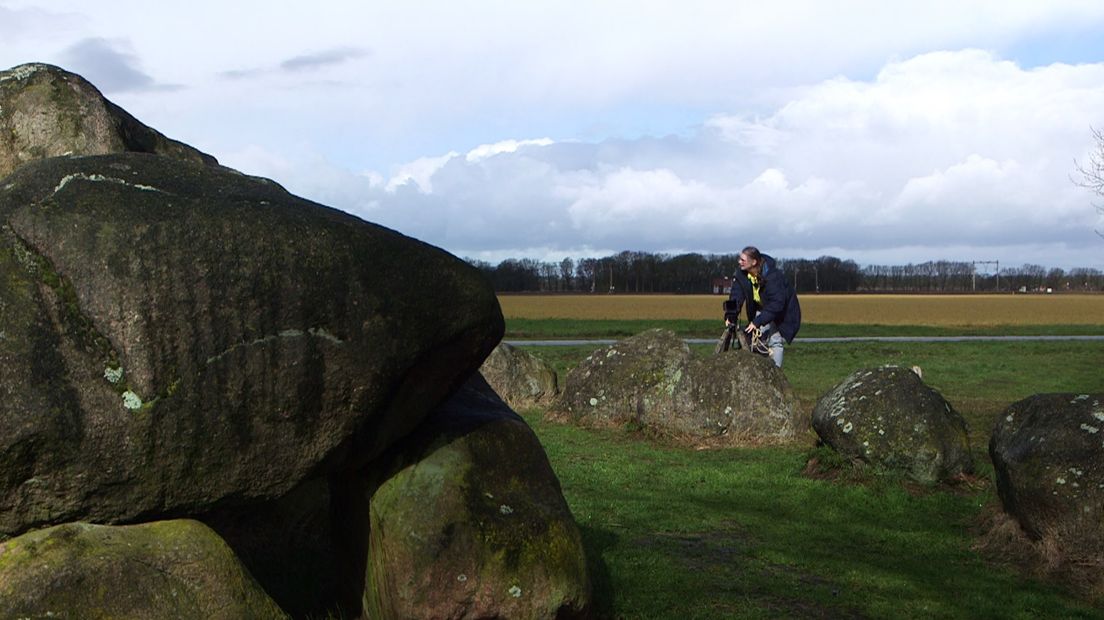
973,272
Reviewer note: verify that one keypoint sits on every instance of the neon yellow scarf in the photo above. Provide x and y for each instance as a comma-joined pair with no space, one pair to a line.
755,288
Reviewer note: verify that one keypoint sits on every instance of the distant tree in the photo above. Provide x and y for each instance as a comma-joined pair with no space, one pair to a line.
1091,173
567,271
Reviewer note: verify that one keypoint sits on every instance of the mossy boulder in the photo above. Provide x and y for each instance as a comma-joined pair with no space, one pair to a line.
166,569
519,377
888,416
652,381
177,336
1048,454
467,520
46,111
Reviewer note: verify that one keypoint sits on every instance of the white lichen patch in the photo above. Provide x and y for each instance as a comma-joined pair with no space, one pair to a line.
1099,415
506,510
1092,430
99,178
131,400
515,591
461,578
113,375
1079,397
1060,480
22,72
847,427
593,402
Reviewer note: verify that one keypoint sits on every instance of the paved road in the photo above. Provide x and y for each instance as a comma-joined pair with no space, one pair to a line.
564,343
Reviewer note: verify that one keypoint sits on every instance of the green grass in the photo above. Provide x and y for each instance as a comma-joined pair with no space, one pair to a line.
741,533
550,329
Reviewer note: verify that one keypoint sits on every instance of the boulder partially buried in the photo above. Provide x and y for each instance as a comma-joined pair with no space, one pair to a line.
1048,454
888,416
166,569
467,520
46,111
652,381
519,377
177,336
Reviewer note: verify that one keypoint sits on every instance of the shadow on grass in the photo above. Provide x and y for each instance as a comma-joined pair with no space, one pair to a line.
596,541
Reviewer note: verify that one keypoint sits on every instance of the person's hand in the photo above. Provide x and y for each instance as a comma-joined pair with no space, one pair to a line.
728,323
750,328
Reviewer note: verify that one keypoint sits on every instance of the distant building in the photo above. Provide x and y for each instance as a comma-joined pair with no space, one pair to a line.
722,286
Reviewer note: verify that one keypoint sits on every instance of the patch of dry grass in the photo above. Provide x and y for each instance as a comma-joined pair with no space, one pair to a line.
927,310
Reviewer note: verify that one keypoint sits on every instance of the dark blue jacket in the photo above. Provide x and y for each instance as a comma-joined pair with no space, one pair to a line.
779,300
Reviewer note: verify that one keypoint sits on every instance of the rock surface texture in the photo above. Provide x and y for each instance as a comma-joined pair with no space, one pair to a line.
1048,453
467,520
166,569
519,377
46,111
178,336
888,416
652,381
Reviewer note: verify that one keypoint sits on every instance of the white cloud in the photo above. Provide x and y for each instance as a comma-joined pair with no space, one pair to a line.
793,124
936,151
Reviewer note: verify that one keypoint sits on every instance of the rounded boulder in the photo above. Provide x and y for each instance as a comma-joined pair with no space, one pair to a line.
1048,454
652,381
167,569
889,417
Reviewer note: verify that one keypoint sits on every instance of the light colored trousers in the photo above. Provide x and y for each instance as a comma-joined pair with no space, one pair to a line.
775,343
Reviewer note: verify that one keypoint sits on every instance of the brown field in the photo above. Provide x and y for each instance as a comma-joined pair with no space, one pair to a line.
937,310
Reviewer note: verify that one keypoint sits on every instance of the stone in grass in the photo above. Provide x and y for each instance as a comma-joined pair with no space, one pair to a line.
1048,454
652,381
889,417
165,569
467,520
519,377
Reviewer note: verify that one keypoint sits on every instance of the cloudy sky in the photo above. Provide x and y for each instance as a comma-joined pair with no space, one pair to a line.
883,132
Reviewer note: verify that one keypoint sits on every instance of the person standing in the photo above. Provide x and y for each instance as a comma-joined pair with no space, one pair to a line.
772,306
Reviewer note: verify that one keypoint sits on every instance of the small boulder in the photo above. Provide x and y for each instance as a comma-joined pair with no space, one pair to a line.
165,569
652,381
46,111
467,520
519,377
888,416
1048,454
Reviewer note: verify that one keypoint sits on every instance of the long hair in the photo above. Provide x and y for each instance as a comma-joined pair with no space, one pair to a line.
752,253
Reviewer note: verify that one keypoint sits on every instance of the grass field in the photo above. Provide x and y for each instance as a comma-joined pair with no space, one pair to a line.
744,533
912,310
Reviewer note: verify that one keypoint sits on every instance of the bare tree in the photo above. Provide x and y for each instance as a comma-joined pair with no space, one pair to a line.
1091,173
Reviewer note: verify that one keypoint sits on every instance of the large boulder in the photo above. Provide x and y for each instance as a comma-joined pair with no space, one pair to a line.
1048,454
177,336
519,377
46,111
652,381
889,417
467,520
166,569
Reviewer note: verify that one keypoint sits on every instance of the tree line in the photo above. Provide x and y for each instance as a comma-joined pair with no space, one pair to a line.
646,272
